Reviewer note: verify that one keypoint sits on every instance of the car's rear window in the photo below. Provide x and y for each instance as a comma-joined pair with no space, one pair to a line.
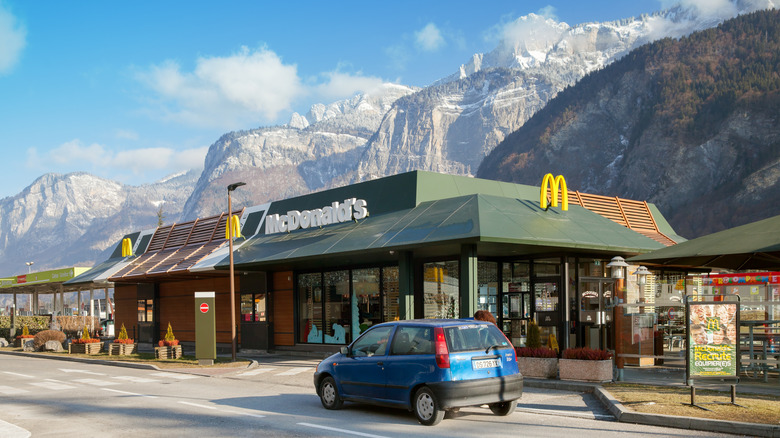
474,337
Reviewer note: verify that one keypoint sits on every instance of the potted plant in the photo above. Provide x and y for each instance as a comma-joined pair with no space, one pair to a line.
585,364
24,337
122,345
85,344
533,360
169,347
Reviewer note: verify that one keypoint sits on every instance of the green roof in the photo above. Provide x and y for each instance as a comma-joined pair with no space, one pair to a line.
473,218
752,246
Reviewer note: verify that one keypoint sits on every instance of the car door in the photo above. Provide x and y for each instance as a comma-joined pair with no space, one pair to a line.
411,361
362,372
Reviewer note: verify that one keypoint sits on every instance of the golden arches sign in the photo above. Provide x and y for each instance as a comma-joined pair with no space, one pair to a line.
233,222
554,183
127,247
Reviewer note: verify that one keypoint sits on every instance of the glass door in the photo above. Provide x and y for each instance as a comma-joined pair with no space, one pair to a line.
595,311
547,309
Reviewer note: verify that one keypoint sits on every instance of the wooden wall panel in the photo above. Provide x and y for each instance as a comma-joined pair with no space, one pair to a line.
177,306
126,308
283,308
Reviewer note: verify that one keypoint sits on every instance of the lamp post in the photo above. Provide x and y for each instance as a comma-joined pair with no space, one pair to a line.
617,264
29,266
229,223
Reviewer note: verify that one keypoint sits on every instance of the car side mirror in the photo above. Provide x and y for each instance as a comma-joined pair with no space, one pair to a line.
344,351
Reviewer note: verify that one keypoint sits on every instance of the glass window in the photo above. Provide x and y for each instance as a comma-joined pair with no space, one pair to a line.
372,343
487,295
473,337
413,340
593,267
390,293
145,310
260,304
247,307
546,296
365,285
441,297
310,307
547,267
337,308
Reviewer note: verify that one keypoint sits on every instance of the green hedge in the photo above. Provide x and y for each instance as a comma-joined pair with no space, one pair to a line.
34,324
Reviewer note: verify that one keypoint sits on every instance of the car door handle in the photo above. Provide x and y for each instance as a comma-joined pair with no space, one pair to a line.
380,363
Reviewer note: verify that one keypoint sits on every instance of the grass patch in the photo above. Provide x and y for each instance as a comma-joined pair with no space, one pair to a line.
758,408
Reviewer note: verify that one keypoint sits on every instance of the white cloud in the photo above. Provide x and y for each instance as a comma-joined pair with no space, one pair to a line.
227,92
340,85
100,160
429,38
548,11
13,39
126,134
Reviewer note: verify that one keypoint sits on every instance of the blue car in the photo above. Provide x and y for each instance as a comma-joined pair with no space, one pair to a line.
428,366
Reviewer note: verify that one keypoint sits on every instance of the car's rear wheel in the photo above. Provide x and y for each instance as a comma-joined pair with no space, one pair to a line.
503,408
426,408
329,394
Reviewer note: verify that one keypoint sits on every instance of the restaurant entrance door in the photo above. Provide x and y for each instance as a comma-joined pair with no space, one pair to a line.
595,312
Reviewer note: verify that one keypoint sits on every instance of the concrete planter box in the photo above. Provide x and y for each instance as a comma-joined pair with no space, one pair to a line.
91,348
587,370
121,349
541,367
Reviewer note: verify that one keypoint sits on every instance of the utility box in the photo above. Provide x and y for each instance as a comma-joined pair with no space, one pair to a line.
205,328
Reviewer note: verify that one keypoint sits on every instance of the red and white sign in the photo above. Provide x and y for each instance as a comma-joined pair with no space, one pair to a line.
204,308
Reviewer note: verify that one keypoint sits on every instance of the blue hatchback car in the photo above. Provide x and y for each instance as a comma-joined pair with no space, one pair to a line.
428,366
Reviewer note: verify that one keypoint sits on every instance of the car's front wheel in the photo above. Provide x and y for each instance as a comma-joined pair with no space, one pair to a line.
426,408
503,408
329,394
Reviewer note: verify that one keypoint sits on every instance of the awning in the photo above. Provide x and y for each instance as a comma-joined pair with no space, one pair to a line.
752,246
473,218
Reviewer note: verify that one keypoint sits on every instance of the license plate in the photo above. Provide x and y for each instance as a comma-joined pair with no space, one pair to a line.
484,363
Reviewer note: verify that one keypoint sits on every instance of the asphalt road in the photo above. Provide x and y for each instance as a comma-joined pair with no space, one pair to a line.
48,398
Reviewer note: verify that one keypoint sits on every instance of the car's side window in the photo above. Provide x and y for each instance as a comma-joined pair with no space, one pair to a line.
372,343
412,340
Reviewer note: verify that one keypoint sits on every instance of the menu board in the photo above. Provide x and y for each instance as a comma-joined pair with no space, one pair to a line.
713,340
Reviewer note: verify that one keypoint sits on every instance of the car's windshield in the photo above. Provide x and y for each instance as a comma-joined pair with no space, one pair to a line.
474,337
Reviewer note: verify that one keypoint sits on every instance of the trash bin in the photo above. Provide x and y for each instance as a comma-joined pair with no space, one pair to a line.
658,350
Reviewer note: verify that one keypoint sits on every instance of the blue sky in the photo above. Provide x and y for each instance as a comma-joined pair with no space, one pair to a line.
135,91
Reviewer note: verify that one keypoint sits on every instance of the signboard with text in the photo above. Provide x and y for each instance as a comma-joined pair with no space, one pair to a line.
713,336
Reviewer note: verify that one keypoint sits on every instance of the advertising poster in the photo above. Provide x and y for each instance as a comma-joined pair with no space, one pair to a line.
713,342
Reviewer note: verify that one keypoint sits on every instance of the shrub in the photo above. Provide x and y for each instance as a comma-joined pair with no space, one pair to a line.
48,335
586,353
534,339
536,352
122,337
71,325
25,333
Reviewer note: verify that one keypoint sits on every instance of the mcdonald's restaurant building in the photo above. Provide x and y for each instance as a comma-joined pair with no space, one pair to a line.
313,272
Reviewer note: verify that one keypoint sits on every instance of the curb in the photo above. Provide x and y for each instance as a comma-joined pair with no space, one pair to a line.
624,415
142,366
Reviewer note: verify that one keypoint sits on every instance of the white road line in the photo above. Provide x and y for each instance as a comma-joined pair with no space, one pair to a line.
129,393
565,413
198,405
256,371
95,382
175,375
68,370
53,385
8,430
294,371
248,414
334,429
18,375
8,390
136,379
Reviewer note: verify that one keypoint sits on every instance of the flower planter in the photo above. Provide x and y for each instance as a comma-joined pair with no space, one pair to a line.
542,367
19,342
587,370
115,349
91,348
173,352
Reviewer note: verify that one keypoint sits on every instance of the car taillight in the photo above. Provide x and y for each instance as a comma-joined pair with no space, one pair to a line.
442,353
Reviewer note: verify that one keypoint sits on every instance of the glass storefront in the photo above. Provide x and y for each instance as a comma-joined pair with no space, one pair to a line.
336,306
516,301
441,290
487,292
253,307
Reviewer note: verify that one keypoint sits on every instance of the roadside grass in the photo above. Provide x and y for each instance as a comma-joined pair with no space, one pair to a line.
757,408
148,358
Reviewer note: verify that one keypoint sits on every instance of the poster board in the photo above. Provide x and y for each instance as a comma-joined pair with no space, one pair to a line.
712,333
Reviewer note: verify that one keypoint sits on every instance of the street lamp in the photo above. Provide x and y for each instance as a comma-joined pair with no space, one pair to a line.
229,224
641,280
617,264
29,266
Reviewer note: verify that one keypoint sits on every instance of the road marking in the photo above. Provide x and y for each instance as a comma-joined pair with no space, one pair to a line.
565,413
175,375
136,379
7,390
294,371
95,382
199,406
68,370
333,429
256,371
129,393
8,430
53,385
17,374
248,414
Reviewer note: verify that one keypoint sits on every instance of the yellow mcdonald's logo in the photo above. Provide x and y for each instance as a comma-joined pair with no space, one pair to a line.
554,183
713,324
127,247
234,223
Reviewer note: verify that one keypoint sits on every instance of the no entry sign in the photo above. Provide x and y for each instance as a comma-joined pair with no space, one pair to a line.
204,307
